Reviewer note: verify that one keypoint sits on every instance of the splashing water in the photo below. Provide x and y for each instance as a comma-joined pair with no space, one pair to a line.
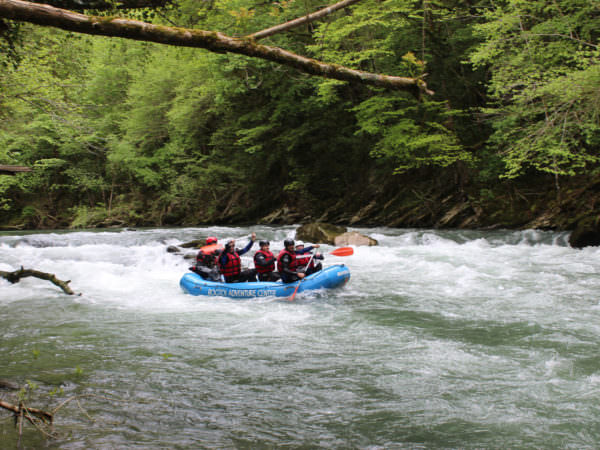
440,339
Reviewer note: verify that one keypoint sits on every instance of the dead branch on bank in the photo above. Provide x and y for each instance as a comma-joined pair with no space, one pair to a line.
15,277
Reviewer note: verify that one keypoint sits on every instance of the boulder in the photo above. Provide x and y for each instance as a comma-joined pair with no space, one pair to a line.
173,249
319,232
353,238
197,243
585,234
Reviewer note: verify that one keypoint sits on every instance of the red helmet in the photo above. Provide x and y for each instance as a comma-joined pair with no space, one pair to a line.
211,240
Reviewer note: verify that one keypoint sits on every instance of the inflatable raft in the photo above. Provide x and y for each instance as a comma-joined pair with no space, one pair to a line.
328,278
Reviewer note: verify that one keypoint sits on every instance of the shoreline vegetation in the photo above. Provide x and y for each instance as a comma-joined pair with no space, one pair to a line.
416,202
490,121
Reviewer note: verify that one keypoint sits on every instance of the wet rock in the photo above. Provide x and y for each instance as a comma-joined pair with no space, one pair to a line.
8,385
586,234
319,232
353,238
197,243
173,249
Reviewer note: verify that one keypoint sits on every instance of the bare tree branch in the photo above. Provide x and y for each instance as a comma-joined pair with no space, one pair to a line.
210,40
20,410
301,20
12,170
16,276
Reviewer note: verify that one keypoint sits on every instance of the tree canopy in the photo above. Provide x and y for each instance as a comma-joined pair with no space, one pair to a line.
123,131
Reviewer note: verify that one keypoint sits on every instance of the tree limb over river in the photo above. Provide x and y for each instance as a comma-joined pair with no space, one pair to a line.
213,41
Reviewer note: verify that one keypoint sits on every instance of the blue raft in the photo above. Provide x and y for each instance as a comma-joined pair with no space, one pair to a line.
328,278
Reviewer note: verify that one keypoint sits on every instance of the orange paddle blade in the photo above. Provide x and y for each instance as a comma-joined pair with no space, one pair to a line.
211,248
343,251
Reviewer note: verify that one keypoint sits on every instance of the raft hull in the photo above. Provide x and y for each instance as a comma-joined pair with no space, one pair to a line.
328,278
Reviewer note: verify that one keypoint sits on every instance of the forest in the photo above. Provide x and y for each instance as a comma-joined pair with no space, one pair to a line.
124,132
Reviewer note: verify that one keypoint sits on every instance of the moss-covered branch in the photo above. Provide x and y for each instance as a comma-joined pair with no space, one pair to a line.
46,15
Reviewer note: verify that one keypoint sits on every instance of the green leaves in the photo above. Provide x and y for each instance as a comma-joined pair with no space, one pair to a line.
544,63
409,135
177,135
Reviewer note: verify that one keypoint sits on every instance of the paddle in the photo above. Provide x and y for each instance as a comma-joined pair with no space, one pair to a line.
211,248
342,251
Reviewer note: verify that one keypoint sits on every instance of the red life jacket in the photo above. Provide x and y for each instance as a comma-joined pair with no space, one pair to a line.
303,261
233,266
267,255
206,259
293,263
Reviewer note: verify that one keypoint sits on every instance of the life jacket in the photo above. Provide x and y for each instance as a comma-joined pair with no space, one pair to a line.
233,266
293,263
303,261
268,255
208,259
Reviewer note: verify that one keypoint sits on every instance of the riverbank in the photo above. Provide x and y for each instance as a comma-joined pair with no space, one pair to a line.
444,203
422,199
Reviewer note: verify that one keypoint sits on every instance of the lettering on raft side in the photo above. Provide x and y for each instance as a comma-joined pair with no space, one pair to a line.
223,292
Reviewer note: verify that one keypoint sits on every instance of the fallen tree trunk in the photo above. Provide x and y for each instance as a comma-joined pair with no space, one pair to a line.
46,15
15,277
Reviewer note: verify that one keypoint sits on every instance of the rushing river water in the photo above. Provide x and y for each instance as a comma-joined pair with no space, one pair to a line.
439,339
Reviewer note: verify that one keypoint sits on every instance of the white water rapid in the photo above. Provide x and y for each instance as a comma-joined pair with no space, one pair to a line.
440,339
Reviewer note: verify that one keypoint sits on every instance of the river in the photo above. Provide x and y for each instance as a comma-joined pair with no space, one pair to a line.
440,339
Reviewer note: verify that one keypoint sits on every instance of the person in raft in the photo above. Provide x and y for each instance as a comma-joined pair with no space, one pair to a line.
206,261
264,262
302,259
286,263
230,263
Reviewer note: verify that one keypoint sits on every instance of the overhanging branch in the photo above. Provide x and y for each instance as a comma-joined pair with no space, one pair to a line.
46,15
301,20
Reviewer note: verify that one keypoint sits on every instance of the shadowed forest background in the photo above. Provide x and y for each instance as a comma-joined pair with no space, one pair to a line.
129,133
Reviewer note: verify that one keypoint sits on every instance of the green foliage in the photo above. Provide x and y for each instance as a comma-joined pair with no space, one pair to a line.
25,393
410,135
123,131
544,60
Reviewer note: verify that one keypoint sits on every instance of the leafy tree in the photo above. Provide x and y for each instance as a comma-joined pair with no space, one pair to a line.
543,57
